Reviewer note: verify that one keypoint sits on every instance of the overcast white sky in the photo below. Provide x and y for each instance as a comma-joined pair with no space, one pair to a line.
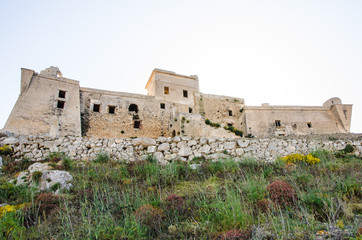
284,52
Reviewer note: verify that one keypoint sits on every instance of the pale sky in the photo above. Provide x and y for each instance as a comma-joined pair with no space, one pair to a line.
282,52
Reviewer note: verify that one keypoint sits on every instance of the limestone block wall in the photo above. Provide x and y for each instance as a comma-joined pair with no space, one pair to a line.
220,109
166,148
47,104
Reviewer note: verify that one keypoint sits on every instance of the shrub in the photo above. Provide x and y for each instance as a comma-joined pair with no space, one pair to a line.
207,121
297,158
37,176
348,149
175,202
102,158
47,203
67,163
56,156
263,205
149,216
5,150
281,193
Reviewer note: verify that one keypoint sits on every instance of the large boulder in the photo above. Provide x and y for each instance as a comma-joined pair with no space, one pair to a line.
44,177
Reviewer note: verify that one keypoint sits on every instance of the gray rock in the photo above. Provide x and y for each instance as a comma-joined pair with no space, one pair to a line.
1,161
151,149
39,167
52,177
239,152
272,146
192,143
162,139
229,145
10,141
205,149
159,156
182,144
164,147
144,141
185,152
243,143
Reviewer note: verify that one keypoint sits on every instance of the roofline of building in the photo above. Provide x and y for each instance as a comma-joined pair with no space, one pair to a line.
194,77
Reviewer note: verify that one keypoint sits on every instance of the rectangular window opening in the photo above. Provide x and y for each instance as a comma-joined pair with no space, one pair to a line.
61,94
230,113
136,124
309,124
60,104
190,110
111,109
277,123
230,124
96,107
162,106
166,90
185,94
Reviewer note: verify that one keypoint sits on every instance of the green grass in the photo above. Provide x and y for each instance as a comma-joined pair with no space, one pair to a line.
217,197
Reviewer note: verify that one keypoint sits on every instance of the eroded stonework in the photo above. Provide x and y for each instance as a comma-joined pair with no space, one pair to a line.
56,106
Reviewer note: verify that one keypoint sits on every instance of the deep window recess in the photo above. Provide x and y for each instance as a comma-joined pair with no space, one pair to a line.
230,124
166,90
60,104
230,113
309,124
185,93
162,105
61,94
133,108
111,109
96,107
136,124
277,123
190,110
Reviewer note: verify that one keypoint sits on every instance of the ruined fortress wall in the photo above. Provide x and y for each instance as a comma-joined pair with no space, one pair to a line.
261,121
36,110
153,121
166,149
220,109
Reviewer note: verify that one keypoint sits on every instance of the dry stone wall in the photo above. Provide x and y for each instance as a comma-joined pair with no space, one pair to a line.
165,149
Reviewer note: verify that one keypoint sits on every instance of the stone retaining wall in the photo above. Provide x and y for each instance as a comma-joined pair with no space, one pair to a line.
166,149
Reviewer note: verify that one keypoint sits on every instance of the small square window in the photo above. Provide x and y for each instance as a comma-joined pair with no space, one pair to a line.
190,110
61,94
111,109
166,90
185,93
136,124
162,106
309,124
96,107
230,124
230,113
60,104
277,123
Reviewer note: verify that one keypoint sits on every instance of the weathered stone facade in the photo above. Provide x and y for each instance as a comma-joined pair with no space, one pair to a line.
51,104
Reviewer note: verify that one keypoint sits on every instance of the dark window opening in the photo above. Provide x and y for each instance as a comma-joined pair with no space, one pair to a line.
185,93
230,124
281,134
277,123
111,109
61,94
294,126
136,124
60,104
230,113
162,106
136,117
166,90
133,108
309,124
96,107
173,133
345,114
190,110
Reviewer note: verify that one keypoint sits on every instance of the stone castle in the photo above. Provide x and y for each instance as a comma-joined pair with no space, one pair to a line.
56,106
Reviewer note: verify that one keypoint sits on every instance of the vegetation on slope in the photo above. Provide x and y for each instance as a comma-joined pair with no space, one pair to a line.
297,197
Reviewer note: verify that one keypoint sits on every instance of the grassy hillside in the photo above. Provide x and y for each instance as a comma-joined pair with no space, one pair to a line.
297,197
